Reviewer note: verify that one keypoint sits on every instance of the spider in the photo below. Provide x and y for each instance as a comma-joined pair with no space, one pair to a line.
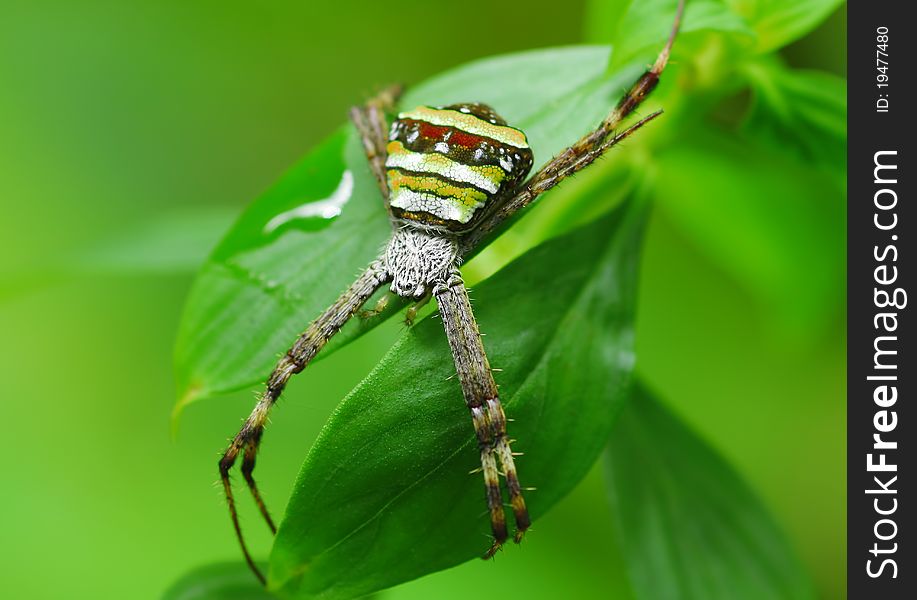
450,176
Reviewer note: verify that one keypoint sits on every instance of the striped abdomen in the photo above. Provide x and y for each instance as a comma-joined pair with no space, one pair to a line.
446,165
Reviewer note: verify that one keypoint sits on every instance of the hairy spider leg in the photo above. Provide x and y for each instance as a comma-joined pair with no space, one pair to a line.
585,150
482,399
309,343
372,125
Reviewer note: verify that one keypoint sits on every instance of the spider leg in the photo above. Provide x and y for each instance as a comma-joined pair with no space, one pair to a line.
411,313
482,399
372,126
248,466
585,150
378,309
579,161
309,343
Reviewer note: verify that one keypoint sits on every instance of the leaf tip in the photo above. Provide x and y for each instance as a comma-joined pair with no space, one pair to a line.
192,393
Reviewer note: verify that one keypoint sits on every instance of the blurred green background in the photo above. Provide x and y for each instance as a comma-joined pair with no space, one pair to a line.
118,119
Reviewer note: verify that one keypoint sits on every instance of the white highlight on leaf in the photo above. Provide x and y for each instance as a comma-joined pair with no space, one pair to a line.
328,208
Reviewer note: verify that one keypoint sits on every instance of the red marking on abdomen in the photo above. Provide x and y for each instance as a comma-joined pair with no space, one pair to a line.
458,137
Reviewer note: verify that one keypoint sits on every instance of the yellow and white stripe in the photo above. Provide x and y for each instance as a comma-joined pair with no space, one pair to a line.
467,123
398,182
447,201
447,209
484,177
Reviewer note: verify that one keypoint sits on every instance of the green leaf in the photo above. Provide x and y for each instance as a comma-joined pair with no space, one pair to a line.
385,494
779,22
800,111
636,28
273,272
690,528
223,581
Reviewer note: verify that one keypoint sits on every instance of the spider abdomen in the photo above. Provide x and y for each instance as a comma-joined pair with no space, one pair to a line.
446,165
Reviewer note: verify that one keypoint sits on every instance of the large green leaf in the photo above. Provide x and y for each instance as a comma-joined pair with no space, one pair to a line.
274,272
690,528
385,494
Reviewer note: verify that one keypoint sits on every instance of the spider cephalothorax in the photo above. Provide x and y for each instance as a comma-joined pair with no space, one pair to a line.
449,176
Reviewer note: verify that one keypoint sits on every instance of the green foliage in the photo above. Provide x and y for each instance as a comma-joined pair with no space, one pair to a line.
760,25
779,22
129,160
800,111
384,495
646,22
690,528
747,119
398,451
